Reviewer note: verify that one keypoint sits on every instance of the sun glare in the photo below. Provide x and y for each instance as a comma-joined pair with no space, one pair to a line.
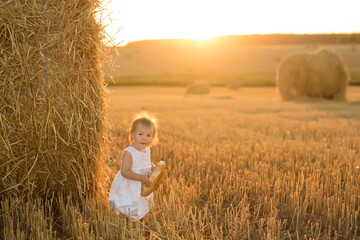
202,39
203,19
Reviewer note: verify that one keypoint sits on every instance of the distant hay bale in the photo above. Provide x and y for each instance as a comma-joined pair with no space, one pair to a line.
198,88
319,75
233,84
53,123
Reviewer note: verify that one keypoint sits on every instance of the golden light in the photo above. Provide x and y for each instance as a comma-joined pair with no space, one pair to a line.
202,38
204,19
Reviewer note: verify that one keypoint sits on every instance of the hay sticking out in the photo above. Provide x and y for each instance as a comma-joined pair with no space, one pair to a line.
198,88
319,75
53,102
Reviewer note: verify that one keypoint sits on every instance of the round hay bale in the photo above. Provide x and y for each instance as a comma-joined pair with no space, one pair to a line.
53,124
315,75
198,88
233,84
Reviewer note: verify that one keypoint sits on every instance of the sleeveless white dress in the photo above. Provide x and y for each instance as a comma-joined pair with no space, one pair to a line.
125,194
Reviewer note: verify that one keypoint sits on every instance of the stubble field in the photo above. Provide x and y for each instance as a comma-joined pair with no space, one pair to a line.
241,165
245,165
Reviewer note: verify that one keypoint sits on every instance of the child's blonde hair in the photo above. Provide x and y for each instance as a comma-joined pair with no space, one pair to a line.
146,120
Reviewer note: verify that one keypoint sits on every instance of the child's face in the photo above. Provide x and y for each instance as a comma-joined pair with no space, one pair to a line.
142,137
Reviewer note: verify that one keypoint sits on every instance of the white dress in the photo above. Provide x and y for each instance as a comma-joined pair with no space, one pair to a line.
125,194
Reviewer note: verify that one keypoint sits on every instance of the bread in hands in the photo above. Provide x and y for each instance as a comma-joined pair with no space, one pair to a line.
155,178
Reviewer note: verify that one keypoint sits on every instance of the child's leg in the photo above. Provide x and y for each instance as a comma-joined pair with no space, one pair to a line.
143,222
133,224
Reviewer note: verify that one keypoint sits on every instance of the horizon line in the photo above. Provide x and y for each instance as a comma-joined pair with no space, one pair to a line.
125,43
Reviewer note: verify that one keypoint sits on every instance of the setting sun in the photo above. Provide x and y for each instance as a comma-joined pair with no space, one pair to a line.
202,39
161,19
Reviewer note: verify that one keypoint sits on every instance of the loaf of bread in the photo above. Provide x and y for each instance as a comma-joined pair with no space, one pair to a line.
155,178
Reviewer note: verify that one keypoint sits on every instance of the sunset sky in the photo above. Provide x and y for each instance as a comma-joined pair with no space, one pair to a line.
202,19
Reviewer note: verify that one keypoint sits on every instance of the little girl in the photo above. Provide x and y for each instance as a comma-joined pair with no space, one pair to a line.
125,193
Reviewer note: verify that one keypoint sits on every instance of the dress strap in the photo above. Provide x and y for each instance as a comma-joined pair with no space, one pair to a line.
130,149
134,150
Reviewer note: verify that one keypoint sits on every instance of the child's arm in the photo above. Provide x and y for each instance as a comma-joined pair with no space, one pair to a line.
126,163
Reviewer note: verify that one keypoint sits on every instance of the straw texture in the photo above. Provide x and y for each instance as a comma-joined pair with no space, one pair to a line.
316,75
53,122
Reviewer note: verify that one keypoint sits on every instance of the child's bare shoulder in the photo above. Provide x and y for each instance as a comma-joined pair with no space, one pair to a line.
126,155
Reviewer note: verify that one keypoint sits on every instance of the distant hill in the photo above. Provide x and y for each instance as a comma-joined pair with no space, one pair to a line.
264,39
225,55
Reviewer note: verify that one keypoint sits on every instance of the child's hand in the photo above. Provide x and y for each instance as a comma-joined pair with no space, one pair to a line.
146,181
152,167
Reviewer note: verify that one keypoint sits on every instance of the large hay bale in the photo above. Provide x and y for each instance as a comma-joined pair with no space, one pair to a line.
319,75
198,88
52,98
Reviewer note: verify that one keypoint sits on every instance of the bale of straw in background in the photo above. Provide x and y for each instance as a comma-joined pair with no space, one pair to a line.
53,123
233,84
318,75
198,88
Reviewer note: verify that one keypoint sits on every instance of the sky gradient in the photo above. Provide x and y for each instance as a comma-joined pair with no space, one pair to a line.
201,19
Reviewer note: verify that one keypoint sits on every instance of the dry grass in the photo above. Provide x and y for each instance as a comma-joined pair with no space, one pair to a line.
244,165
133,60
241,165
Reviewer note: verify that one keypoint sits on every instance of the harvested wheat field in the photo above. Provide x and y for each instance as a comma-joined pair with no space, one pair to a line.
245,165
241,164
